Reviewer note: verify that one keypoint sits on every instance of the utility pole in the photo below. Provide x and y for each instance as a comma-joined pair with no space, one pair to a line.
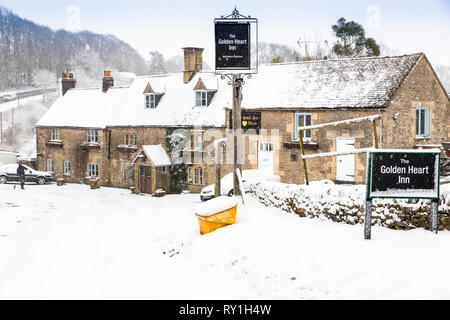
237,98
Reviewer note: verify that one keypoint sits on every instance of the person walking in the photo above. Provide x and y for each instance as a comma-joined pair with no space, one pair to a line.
21,172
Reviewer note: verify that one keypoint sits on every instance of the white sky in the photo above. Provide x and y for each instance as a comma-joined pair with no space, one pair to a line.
408,26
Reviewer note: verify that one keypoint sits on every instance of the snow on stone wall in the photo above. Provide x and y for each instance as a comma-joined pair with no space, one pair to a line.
343,203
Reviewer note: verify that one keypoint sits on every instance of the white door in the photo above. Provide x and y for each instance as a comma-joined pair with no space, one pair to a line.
345,165
265,157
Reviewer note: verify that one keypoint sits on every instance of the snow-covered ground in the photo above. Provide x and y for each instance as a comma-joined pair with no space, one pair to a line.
73,242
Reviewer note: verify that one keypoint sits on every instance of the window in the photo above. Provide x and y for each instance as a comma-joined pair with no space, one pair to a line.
195,176
50,165
129,139
150,101
67,168
54,134
201,98
190,176
422,120
92,170
164,169
303,120
91,136
197,141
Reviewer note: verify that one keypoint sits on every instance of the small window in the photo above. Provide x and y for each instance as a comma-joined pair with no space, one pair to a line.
422,122
54,134
190,176
303,120
150,101
50,165
92,170
164,169
197,141
129,139
67,168
201,98
92,136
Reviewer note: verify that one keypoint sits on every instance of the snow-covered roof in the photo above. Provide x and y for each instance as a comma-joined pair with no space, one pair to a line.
324,84
347,83
177,105
86,108
157,155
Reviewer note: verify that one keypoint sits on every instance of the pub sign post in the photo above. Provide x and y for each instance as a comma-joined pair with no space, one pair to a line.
233,44
402,174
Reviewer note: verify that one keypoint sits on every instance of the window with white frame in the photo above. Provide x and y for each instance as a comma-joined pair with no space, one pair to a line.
92,136
197,141
67,168
422,122
201,98
150,101
92,170
195,176
190,176
129,139
164,170
303,120
54,134
51,165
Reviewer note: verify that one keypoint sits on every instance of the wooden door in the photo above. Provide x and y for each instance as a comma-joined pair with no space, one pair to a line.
145,178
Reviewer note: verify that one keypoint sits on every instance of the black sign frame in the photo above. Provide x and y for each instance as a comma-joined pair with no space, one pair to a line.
243,50
251,67
369,194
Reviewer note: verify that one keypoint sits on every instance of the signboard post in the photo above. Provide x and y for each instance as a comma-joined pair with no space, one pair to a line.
233,60
408,174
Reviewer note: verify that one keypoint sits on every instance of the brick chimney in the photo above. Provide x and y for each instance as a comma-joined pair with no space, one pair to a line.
68,82
193,62
108,81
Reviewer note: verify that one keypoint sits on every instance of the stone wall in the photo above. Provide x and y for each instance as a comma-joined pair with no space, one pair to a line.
346,204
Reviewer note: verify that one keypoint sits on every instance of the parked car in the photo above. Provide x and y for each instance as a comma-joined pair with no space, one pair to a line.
226,183
7,97
8,173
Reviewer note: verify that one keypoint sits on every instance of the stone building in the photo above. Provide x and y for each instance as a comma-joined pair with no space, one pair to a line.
104,132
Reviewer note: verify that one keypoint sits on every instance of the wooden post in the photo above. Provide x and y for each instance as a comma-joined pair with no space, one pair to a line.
434,216
368,220
237,129
375,134
302,147
217,185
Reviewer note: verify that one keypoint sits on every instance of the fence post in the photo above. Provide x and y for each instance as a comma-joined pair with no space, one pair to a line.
368,220
434,216
302,147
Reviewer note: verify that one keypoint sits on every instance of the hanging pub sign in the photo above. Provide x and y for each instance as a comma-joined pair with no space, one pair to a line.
232,45
251,121
408,174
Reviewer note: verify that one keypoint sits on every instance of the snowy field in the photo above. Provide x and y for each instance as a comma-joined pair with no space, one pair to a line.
73,242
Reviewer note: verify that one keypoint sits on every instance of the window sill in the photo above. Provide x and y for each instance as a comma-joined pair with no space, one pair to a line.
90,145
422,137
296,145
54,143
124,147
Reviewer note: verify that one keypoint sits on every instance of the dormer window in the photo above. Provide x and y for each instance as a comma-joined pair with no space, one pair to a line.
150,101
201,98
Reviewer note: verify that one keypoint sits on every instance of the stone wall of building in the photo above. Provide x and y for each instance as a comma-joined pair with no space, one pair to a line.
72,148
420,89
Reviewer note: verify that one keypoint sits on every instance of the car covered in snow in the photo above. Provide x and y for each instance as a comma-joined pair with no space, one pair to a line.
226,183
8,173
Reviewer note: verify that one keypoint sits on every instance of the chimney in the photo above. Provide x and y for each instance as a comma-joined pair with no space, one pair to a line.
108,81
68,82
193,62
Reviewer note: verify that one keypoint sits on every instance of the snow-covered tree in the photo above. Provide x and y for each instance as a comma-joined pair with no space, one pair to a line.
44,79
156,64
